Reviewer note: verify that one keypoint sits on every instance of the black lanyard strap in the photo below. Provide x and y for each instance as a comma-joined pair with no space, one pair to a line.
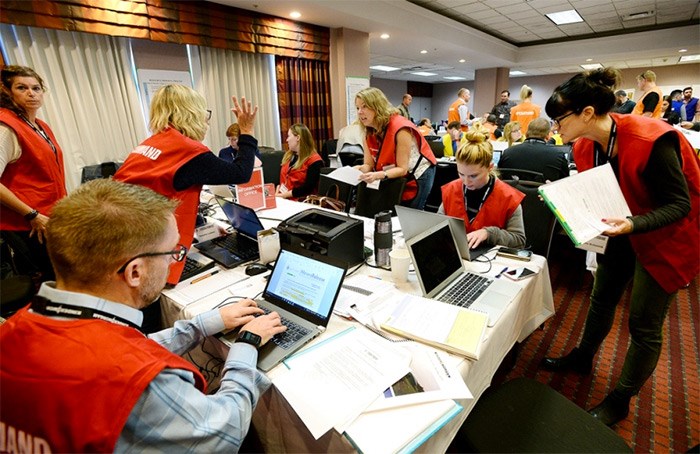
39,130
47,307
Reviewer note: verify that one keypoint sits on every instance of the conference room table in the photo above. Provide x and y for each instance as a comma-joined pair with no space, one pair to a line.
275,421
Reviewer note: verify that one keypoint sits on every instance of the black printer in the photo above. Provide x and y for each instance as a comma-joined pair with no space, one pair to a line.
333,234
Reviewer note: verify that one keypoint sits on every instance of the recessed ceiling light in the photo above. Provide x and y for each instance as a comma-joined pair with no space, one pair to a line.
592,66
517,73
384,36
639,15
589,59
682,50
565,17
461,60
421,73
384,68
687,58
424,51
295,14
454,78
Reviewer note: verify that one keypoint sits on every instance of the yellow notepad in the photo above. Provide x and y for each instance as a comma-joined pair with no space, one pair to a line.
441,325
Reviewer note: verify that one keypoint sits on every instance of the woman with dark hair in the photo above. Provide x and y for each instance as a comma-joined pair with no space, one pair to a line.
175,163
301,165
32,176
656,248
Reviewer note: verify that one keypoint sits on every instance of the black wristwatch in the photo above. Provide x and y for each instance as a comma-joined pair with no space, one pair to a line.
31,215
249,338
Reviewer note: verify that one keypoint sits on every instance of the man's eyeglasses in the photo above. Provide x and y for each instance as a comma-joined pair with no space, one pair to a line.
208,114
558,121
178,255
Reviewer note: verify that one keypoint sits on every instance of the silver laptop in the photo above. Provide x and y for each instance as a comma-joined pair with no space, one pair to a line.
303,289
415,221
442,275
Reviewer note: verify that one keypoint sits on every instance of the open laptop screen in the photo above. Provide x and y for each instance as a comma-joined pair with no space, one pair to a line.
242,218
435,266
304,284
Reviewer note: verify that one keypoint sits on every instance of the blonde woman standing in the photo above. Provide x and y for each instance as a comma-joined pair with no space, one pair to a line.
526,111
301,165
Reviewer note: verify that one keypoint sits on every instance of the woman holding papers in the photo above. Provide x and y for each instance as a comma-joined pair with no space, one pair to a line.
655,248
175,163
301,165
396,148
490,208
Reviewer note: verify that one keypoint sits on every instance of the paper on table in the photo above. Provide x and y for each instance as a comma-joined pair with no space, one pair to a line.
336,380
359,291
346,174
189,293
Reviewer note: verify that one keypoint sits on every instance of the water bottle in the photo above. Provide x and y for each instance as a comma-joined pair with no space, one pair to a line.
382,238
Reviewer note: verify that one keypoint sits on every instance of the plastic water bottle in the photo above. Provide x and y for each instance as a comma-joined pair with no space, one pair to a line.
382,238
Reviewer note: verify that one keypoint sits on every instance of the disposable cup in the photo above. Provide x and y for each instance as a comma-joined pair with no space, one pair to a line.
400,260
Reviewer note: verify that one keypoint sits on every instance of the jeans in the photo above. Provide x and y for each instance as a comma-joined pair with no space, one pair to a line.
648,308
425,185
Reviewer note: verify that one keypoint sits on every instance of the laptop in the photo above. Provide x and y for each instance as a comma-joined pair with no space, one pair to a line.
496,157
442,276
303,289
415,221
195,263
239,247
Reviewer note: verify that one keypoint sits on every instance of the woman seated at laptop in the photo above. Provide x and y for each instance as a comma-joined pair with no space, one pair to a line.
490,208
175,163
301,165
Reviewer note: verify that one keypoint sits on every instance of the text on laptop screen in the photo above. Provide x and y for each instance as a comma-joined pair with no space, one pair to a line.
434,267
305,283
243,219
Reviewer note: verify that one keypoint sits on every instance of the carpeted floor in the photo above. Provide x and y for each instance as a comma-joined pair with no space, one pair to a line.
665,416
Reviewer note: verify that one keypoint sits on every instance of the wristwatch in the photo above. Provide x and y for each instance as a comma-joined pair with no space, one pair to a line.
386,176
249,338
31,215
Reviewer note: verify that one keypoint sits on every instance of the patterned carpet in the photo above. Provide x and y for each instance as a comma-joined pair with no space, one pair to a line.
665,416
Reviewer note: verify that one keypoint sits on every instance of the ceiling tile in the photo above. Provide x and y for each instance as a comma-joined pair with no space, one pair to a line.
471,8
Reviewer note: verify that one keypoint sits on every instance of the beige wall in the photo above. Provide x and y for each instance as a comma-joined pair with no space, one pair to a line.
349,58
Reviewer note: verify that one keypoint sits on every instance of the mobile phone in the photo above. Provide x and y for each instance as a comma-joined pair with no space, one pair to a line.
518,254
517,274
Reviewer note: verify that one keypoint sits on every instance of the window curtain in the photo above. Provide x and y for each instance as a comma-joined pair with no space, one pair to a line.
226,73
304,93
92,104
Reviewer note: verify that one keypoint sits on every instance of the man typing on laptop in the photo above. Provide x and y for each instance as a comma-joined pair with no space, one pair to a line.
76,373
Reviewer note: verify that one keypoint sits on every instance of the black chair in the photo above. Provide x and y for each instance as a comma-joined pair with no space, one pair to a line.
271,163
351,154
432,138
538,219
444,173
522,174
326,186
15,293
372,201
524,415
97,171
328,149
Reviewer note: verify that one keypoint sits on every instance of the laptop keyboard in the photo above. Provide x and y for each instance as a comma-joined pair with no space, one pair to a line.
194,267
466,290
288,338
246,250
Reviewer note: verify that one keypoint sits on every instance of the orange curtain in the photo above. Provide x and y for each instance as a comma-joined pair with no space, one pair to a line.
304,92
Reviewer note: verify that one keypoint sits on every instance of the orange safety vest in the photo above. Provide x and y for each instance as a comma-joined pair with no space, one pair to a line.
639,107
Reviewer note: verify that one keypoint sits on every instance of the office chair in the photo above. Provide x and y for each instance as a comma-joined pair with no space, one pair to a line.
444,173
15,293
271,163
538,219
103,170
522,174
327,150
371,201
326,187
351,155
524,415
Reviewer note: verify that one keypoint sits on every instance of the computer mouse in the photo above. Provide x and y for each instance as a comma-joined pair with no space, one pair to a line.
255,268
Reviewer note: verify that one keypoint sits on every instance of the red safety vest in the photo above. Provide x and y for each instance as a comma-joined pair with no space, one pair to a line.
70,386
498,207
387,154
293,178
153,164
37,177
669,254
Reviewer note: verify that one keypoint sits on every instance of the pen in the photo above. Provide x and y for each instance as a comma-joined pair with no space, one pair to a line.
502,271
201,278
375,277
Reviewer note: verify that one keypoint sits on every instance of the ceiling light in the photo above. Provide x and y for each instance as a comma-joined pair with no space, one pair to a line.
687,58
384,68
517,73
682,50
589,59
640,15
592,66
295,14
565,17
462,60
421,73
424,51
454,78
384,36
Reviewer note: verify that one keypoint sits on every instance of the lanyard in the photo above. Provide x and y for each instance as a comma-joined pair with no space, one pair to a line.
45,306
41,132
483,199
601,159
